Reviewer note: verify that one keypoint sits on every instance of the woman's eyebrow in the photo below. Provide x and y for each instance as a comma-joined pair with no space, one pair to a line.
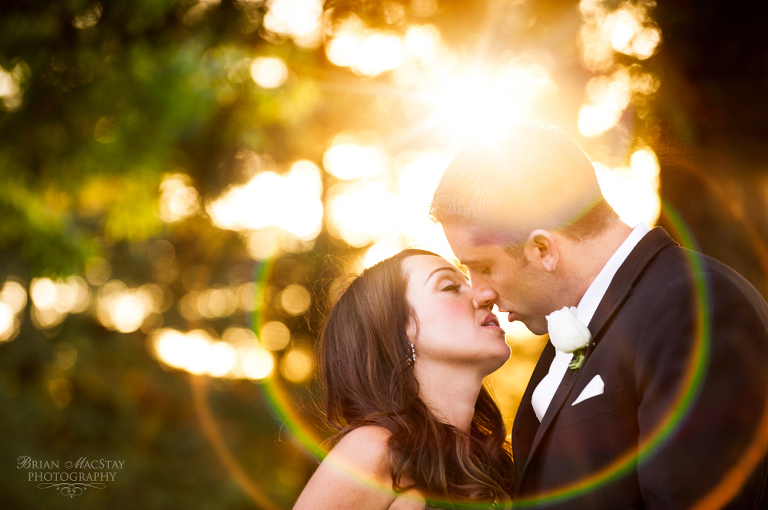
445,268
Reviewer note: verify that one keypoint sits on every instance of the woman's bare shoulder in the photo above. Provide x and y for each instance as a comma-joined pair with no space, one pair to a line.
354,474
365,448
368,435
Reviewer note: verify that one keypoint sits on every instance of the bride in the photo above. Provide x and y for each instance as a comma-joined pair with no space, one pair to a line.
403,355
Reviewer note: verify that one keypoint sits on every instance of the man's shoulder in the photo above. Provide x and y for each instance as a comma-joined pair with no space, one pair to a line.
676,263
682,272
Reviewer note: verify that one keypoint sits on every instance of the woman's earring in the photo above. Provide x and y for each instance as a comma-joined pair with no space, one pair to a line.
413,354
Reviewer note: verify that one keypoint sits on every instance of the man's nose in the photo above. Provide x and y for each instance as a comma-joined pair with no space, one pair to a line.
484,297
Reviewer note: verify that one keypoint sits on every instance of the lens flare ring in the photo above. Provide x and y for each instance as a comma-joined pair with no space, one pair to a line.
305,438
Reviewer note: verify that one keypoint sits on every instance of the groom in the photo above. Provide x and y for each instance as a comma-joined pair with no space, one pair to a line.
669,408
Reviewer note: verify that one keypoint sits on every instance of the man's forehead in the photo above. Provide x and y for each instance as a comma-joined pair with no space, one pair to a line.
467,238
471,256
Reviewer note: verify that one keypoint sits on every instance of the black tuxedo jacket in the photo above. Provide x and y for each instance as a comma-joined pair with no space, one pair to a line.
681,344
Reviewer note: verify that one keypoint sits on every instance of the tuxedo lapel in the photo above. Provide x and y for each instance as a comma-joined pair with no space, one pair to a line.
526,423
618,291
561,395
624,281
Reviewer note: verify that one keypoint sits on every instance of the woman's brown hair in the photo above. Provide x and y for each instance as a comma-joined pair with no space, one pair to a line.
367,372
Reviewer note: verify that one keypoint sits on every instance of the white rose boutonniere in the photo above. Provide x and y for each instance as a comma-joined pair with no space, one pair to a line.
568,334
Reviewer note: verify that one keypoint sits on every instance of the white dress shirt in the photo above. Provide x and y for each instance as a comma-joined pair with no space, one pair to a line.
545,391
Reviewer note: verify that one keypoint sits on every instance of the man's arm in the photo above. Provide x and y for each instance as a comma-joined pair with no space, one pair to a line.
702,379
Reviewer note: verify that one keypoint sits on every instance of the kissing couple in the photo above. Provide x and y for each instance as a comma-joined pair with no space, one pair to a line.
650,394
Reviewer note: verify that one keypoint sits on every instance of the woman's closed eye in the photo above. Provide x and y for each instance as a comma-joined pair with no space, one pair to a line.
451,287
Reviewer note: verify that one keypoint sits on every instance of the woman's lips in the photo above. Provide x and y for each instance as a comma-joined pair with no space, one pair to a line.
490,319
491,322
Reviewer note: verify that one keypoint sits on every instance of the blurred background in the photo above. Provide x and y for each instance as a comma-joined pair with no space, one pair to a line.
184,182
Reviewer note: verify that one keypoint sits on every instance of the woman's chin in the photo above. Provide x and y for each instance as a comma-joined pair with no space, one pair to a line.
497,361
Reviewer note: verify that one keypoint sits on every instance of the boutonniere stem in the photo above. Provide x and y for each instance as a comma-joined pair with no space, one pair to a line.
578,359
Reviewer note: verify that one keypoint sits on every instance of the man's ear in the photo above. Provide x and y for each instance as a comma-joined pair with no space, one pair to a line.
541,248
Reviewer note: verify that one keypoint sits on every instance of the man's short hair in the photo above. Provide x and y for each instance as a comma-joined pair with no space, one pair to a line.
535,176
